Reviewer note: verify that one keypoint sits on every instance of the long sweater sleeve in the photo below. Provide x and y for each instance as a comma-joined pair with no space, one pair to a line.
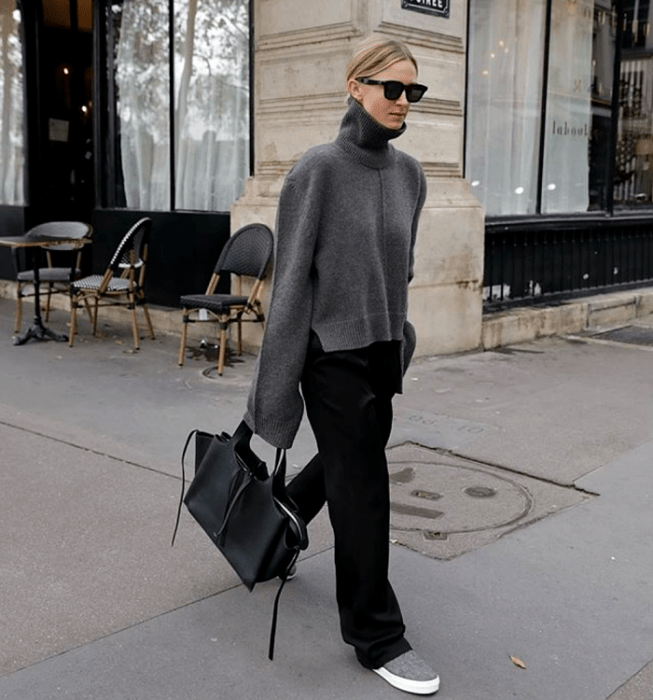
275,406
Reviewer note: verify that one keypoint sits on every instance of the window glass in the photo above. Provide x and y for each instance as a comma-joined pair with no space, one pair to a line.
56,13
633,183
142,81
504,103
505,83
578,107
12,137
85,15
211,103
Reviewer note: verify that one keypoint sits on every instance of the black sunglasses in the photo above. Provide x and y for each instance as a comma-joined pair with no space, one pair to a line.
392,89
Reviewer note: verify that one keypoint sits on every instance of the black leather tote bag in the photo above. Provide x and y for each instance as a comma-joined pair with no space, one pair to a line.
245,511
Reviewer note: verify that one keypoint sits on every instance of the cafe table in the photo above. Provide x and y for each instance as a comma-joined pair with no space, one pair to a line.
38,242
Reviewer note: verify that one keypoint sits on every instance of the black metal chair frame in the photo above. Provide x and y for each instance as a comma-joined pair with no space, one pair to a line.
247,253
120,285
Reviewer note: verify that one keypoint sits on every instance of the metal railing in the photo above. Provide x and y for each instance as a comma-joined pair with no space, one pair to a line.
548,259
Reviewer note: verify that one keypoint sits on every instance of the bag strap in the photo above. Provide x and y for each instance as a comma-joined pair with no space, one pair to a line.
275,609
183,485
279,475
232,502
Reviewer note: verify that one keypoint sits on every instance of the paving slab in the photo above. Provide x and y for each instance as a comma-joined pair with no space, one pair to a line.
554,409
639,687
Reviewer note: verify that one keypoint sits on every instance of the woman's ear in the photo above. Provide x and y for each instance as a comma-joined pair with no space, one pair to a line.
355,89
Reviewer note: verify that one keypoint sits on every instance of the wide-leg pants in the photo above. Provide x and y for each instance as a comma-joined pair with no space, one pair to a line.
348,397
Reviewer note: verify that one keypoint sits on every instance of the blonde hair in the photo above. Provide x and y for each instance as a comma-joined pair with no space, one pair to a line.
375,53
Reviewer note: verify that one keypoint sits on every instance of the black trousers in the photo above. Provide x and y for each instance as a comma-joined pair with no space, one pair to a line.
348,397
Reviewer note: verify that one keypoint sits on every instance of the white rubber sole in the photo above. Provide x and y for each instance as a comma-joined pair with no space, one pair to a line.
416,687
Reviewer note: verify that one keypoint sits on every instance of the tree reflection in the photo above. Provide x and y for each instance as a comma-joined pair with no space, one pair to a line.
211,93
12,135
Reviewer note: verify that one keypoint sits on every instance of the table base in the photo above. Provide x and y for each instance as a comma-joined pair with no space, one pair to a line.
38,331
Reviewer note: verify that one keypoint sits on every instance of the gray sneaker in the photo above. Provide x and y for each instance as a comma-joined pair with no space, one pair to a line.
410,673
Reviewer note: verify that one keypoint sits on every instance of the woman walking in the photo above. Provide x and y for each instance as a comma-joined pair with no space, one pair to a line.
337,328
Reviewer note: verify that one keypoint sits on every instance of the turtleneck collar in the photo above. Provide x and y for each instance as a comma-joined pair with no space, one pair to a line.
363,138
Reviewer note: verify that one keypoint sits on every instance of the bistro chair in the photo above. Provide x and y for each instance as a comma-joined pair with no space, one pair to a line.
57,279
120,285
246,254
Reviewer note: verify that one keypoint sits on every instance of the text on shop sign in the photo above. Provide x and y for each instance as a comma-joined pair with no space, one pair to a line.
431,7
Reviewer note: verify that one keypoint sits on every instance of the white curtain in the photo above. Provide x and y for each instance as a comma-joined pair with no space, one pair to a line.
565,185
12,158
211,62
504,103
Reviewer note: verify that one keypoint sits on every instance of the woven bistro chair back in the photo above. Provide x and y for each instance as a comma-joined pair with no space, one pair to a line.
122,284
246,254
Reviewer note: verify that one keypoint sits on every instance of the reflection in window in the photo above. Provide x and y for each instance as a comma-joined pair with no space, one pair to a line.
12,138
505,84
633,183
504,103
212,102
578,109
142,81
211,110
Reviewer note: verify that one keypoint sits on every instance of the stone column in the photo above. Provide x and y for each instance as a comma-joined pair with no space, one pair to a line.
301,50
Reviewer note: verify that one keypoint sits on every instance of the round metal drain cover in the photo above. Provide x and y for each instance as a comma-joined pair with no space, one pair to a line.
442,498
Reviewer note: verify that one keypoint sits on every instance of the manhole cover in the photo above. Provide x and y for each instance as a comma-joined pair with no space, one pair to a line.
636,335
464,505
444,506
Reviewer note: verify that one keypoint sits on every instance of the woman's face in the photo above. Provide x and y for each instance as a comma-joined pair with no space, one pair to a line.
389,113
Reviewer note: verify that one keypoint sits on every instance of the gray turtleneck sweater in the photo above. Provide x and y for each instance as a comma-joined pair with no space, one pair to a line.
345,234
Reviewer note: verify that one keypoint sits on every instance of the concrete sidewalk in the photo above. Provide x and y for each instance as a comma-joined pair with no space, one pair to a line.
522,497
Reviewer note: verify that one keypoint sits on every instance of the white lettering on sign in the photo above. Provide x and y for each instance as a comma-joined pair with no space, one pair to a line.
436,7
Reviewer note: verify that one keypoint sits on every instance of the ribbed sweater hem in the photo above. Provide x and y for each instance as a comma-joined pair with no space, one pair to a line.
353,334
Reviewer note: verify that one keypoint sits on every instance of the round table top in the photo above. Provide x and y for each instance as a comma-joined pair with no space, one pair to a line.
41,241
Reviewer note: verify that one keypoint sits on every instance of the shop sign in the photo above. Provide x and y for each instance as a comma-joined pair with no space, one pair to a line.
440,8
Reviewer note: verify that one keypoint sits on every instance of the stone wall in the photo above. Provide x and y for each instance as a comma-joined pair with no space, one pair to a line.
301,50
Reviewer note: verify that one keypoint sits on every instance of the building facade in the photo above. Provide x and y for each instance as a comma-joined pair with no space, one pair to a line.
536,135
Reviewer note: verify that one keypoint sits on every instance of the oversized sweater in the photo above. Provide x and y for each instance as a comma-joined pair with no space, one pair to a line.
345,235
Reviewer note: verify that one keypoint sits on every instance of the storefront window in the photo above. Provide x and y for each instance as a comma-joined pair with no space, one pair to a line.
12,137
205,150
633,185
504,104
142,99
560,162
212,102
578,107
